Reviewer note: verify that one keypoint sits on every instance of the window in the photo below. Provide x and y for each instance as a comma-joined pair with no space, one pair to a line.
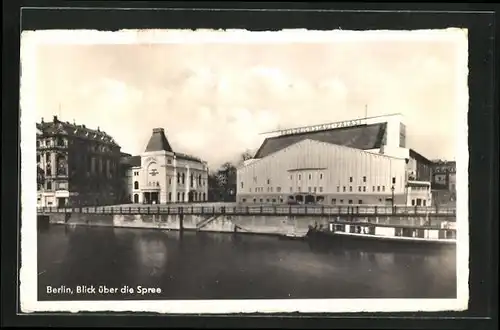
274,200
338,188
261,200
199,180
424,202
249,189
334,201
315,189
178,197
360,201
341,201
49,185
350,201
359,188
383,188
267,200
299,189
378,188
136,185
291,189
291,177
364,188
278,189
350,188
47,157
321,176
255,200
37,143
300,176
310,176
281,200
178,178
344,189
243,200
271,189
364,179
374,188
268,181
183,178
169,161
350,179
241,184
169,180
393,180
320,189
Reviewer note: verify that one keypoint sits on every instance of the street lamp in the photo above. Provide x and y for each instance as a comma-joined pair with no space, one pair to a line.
392,191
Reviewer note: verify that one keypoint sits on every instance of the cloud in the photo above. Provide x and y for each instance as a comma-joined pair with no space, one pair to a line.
214,99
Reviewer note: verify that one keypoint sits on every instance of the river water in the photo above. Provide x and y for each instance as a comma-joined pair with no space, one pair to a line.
200,265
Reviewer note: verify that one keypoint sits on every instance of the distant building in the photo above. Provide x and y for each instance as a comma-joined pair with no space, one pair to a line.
444,175
76,165
160,175
361,161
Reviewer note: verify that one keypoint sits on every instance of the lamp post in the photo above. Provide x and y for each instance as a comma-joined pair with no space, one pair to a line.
392,191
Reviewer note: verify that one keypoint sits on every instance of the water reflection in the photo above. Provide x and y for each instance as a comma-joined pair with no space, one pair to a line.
200,265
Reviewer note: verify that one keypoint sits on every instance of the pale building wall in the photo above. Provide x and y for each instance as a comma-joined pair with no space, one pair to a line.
159,174
328,168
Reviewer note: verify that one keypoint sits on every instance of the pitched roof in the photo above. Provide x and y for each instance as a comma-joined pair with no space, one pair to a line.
58,127
158,141
360,137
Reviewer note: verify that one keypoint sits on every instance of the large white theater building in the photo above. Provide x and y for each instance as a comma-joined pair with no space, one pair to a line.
361,161
159,175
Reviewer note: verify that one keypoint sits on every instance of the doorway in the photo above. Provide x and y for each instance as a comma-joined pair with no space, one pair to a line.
61,202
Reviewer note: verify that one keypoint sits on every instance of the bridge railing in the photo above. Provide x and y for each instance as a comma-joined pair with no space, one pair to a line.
260,210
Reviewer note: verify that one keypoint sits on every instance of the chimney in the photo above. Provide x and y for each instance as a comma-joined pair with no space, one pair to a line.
55,119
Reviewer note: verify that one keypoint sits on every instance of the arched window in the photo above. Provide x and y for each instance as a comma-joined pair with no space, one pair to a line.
136,198
136,185
204,197
199,179
183,178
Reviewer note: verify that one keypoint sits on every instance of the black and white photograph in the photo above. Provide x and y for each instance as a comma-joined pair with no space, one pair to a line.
235,171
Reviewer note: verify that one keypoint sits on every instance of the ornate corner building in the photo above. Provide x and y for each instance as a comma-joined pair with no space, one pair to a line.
76,166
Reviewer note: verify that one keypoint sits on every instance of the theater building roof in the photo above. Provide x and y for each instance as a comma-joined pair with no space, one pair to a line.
360,137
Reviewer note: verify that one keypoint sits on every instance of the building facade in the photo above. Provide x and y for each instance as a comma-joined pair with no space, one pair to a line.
76,166
159,175
444,175
362,162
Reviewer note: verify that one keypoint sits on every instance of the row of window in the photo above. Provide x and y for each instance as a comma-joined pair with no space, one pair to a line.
154,183
319,199
310,177
181,197
320,189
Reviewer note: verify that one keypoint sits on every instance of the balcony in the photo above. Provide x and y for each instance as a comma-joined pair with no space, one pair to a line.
151,186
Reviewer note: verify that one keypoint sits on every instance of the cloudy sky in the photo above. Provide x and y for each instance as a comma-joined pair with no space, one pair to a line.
214,98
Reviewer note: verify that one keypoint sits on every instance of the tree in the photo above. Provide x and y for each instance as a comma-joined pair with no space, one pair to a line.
222,185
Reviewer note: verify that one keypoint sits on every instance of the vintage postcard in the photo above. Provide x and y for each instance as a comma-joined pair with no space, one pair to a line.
231,171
